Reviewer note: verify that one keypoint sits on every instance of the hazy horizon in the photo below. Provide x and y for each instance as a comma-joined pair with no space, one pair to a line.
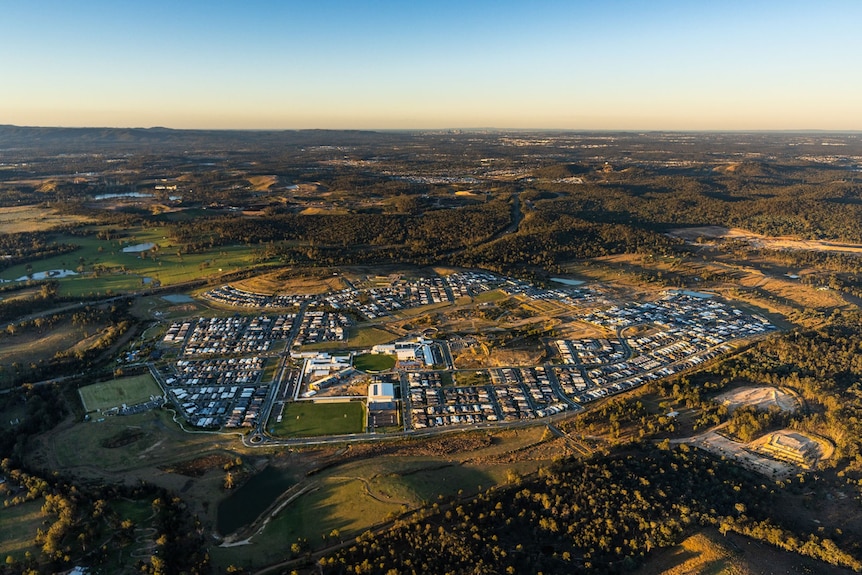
554,65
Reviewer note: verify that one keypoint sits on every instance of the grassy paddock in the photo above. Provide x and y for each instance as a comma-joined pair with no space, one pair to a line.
18,527
374,362
305,418
128,390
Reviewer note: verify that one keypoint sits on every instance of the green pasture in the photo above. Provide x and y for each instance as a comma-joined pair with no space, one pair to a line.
18,525
129,390
107,268
163,442
374,362
306,418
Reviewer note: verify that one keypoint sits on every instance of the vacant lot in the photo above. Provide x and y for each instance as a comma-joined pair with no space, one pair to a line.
374,362
357,338
127,390
306,419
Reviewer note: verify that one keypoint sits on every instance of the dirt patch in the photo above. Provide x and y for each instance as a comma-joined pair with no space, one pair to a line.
760,241
761,398
125,437
721,446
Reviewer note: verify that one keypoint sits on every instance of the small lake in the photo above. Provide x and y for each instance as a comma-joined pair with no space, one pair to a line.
125,195
50,274
178,298
139,248
567,282
252,499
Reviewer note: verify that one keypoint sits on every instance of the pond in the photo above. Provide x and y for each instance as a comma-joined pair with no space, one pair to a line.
50,274
252,499
138,248
178,298
567,282
125,195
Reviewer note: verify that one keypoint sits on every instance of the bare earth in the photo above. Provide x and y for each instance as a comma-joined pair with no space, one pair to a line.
778,454
760,397
761,241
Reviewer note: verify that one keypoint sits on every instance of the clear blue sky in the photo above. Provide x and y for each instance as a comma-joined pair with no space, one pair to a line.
575,64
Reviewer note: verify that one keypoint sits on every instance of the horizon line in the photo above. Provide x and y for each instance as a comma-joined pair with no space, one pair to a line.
453,129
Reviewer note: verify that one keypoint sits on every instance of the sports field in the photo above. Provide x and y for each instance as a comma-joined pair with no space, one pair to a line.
374,362
129,390
305,418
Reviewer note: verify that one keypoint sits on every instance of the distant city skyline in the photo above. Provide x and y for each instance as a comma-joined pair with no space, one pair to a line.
573,65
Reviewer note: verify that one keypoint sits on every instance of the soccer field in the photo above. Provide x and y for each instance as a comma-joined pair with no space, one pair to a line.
129,390
304,418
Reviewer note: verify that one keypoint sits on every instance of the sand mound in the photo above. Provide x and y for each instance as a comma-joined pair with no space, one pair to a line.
760,397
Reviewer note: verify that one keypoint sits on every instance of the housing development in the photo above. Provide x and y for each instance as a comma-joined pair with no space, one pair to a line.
232,387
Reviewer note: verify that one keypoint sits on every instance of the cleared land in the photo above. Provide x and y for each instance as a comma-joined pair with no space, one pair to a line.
110,394
761,241
284,282
374,362
28,218
35,345
357,338
759,397
307,419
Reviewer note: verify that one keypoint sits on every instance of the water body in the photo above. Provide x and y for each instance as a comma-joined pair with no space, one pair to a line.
136,249
567,282
50,274
697,294
252,499
125,195
178,298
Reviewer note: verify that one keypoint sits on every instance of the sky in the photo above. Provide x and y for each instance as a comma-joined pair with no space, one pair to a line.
441,64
